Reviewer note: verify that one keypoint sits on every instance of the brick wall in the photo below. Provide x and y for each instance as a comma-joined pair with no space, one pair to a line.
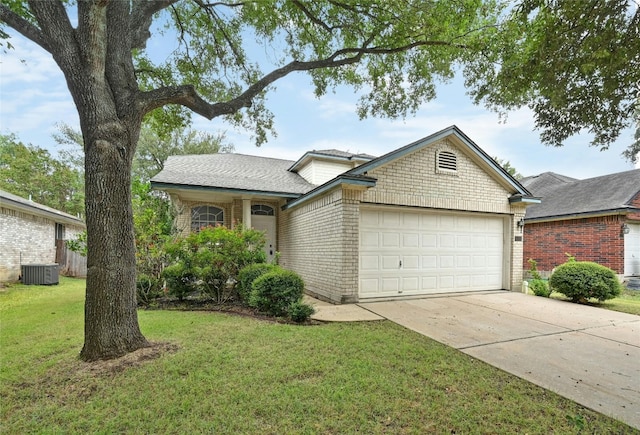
28,239
312,242
597,239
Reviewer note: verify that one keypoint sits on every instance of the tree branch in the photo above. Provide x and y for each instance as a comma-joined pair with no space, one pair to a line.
24,27
187,96
141,19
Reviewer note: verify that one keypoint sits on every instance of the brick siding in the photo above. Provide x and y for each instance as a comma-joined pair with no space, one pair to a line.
597,239
27,239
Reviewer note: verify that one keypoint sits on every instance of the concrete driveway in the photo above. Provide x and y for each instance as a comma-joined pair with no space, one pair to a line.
587,354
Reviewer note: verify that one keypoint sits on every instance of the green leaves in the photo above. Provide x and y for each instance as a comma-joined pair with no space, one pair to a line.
576,64
31,172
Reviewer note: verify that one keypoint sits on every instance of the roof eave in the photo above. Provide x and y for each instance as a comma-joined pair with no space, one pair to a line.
59,218
163,186
587,214
519,199
340,180
310,155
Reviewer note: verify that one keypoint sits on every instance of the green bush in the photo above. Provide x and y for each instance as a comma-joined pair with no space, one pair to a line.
583,280
540,287
148,288
300,312
209,261
248,274
180,281
275,291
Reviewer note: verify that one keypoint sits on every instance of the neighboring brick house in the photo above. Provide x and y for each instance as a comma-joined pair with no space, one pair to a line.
438,215
597,220
32,233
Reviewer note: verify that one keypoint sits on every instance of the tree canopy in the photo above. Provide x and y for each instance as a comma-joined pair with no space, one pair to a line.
31,172
224,57
575,63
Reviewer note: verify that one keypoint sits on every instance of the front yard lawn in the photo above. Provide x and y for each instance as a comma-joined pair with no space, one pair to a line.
627,302
222,373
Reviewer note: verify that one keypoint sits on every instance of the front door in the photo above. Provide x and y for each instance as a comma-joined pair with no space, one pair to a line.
263,219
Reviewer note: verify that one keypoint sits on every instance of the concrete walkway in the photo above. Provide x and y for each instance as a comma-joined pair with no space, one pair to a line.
589,355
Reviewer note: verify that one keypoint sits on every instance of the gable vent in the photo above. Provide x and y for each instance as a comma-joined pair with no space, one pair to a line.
447,161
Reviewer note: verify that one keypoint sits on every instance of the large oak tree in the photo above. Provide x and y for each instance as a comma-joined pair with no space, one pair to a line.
393,51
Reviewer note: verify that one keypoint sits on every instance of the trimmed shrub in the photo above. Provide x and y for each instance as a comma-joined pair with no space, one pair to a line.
583,280
275,291
249,274
300,312
540,287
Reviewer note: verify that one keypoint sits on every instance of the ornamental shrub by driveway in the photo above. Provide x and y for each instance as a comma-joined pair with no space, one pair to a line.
583,280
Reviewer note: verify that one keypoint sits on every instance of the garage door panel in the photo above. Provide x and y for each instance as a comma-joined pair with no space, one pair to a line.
411,262
429,262
411,240
369,263
429,240
429,252
390,240
390,262
369,239
391,285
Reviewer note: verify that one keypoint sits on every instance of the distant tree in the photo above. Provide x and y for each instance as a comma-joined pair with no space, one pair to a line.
31,172
154,149
506,165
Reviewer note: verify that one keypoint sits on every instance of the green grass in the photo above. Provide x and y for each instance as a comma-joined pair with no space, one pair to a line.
235,374
627,302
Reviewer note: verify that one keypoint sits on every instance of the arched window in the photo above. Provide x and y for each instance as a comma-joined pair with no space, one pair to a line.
262,210
446,161
206,215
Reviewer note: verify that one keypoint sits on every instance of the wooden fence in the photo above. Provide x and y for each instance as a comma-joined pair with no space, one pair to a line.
71,263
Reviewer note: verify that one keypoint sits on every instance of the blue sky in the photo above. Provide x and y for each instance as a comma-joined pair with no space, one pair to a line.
34,98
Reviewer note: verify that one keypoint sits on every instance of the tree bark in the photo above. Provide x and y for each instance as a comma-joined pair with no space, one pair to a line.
111,320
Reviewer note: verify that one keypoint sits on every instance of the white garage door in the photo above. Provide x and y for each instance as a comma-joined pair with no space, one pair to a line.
406,252
632,251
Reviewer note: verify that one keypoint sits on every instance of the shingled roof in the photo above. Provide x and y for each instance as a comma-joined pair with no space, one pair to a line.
545,182
16,202
232,171
564,198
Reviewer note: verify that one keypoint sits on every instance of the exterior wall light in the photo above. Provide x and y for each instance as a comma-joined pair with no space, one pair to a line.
625,229
521,223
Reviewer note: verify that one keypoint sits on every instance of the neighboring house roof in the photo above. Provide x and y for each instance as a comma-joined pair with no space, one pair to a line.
600,195
545,182
16,202
232,172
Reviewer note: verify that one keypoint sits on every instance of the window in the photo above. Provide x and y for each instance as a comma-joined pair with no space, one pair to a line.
206,215
446,161
262,210
59,232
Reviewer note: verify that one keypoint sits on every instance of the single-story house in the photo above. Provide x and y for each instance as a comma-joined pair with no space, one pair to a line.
438,215
32,233
597,219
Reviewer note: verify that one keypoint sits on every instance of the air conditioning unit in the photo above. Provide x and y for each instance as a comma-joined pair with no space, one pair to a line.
40,274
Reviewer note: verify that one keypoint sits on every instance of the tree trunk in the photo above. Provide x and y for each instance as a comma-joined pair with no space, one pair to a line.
111,320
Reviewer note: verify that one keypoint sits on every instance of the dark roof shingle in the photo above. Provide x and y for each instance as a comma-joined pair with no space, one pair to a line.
600,194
